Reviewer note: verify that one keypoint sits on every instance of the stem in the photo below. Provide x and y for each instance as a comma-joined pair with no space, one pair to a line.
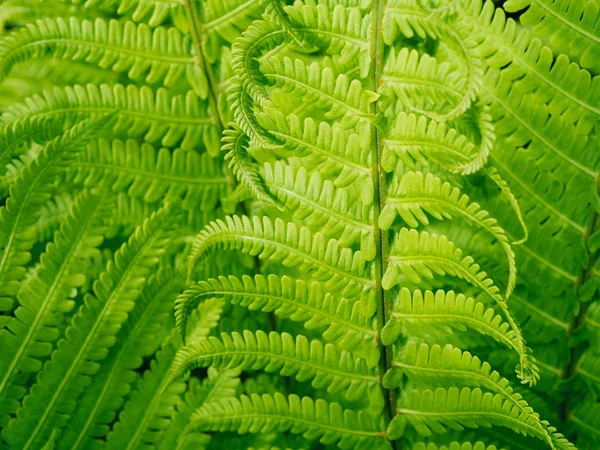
381,236
196,28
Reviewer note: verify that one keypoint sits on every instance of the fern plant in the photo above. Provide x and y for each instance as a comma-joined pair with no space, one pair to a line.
299,224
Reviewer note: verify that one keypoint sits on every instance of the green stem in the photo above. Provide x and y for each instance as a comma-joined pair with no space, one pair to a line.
381,236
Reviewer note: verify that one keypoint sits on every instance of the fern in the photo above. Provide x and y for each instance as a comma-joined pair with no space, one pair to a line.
313,224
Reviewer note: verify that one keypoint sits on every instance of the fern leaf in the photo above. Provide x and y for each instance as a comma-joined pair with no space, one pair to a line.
217,386
441,311
153,56
97,406
558,82
44,299
417,254
419,82
323,365
19,215
156,116
318,419
142,171
303,302
332,150
455,446
90,335
341,97
337,267
418,194
322,206
224,21
417,139
146,414
573,27
235,143
449,366
437,411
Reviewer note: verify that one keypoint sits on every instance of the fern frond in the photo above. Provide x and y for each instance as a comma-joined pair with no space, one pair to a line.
418,194
341,97
91,334
437,411
235,144
417,139
442,312
336,266
147,413
409,18
142,171
525,121
322,364
419,82
558,82
303,302
415,254
572,26
98,405
449,366
155,12
20,213
454,446
318,419
322,206
154,115
224,21
217,386
162,55
334,151
44,299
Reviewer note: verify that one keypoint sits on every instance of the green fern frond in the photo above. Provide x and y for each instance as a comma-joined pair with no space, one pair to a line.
449,366
318,419
525,121
224,21
142,171
91,334
430,412
409,18
142,112
332,150
442,312
455,446
97,407
235,144
560,83
419,82
162,55
322,364
417,139
31,334
415,254
336,266
146,415
572,27
32,188
322,206
341,97
303,302
418,194
216,386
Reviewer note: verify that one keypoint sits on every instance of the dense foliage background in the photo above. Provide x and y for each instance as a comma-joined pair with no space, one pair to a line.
235,224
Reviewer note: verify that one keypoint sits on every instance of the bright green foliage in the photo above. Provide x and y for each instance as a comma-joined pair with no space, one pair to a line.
307,224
